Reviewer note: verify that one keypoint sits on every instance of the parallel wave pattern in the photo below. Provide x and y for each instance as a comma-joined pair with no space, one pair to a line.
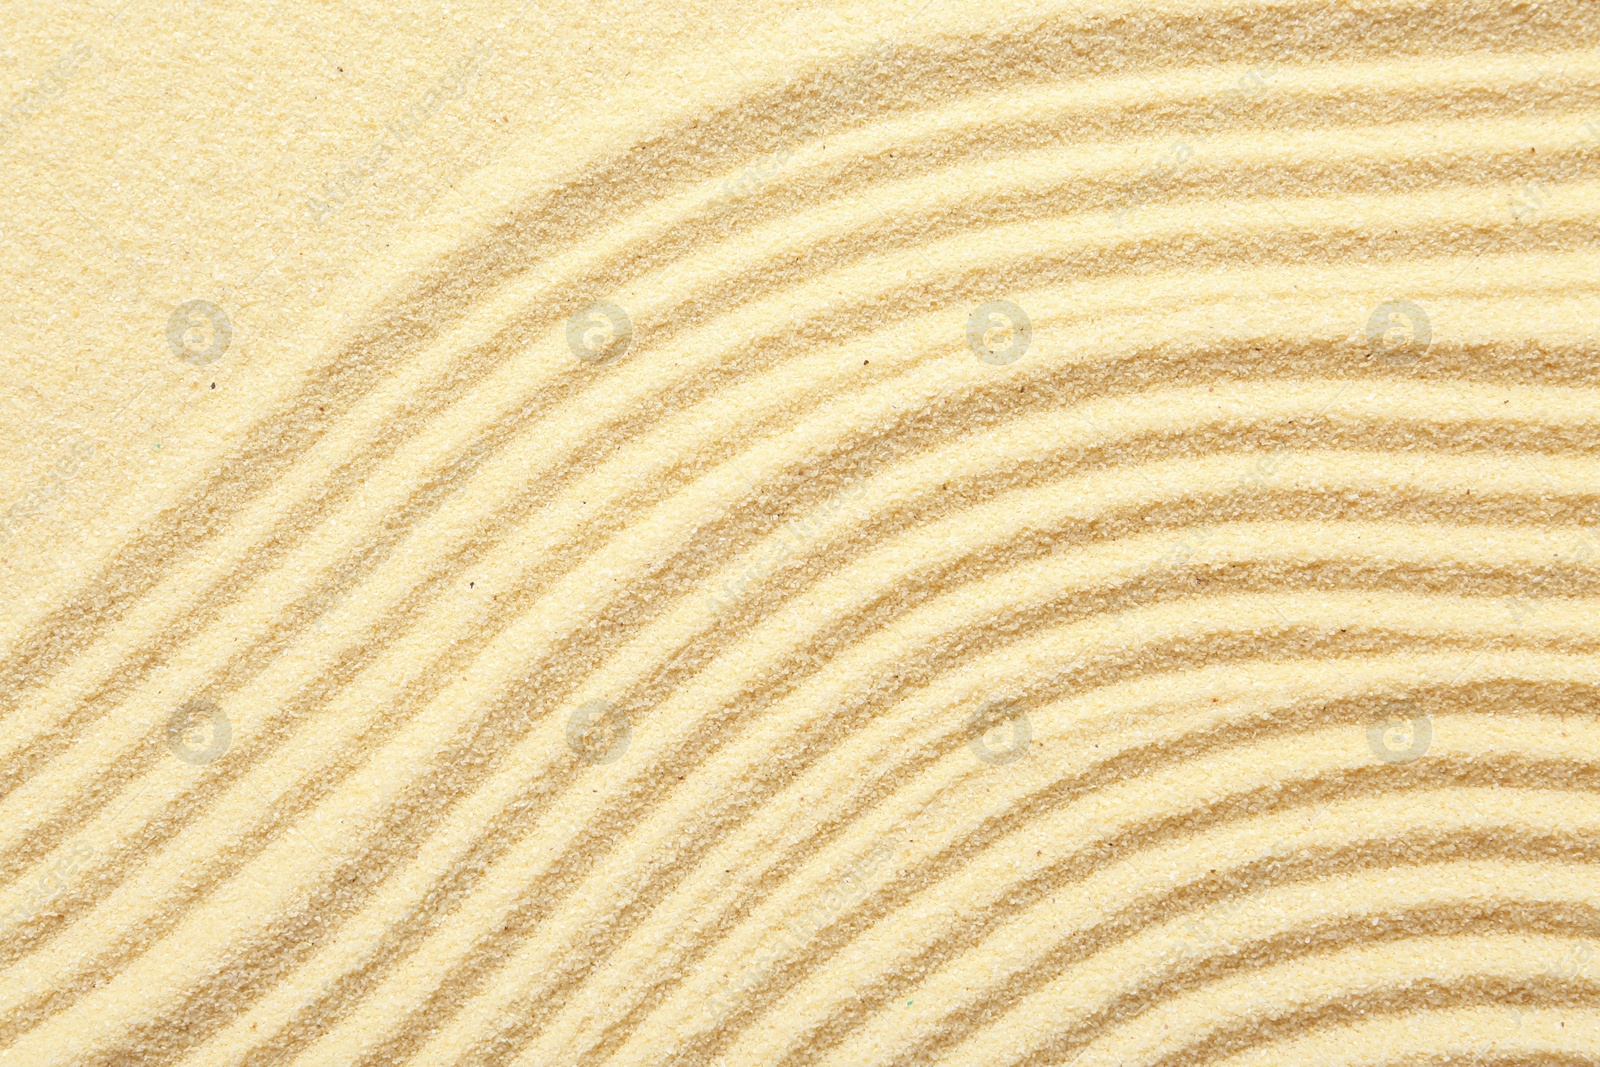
1078,543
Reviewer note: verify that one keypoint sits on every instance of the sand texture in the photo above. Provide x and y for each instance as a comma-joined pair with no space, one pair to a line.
772,535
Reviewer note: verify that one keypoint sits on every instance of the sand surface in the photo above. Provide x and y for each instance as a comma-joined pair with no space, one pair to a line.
773,534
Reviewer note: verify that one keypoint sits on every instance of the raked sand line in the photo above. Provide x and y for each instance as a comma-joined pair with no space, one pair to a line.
1065,539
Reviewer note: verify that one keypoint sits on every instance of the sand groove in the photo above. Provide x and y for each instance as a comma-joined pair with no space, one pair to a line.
1285,632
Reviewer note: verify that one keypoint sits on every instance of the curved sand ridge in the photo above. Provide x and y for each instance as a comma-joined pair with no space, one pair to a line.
800,683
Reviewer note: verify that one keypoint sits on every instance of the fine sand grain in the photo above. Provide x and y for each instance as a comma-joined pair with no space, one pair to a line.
771,535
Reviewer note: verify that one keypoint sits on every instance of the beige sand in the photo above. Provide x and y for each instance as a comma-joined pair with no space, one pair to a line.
773,535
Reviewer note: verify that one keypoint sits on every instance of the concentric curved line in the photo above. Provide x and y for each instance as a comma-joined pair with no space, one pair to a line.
1449,1037
1502,915
592,643
1061,949
320,594
1552,591
992,833
610,179
1301,797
